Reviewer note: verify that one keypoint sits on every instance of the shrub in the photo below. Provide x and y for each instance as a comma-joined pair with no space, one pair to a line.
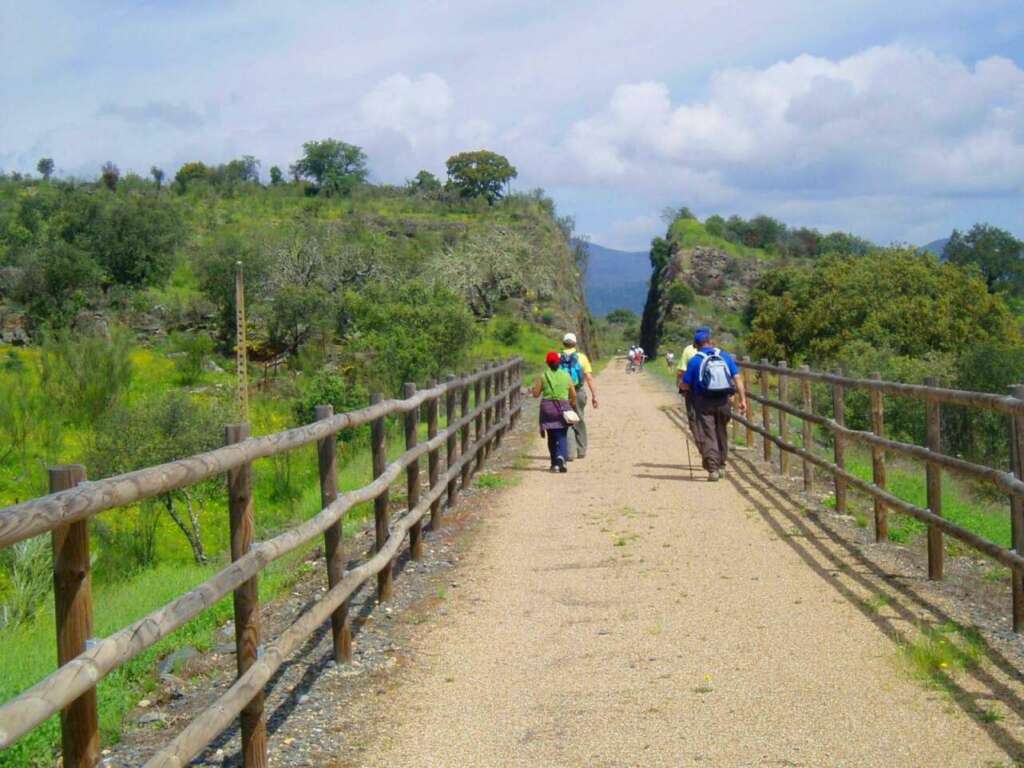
508,331
680,293
30,577
193,349
84,375
332,388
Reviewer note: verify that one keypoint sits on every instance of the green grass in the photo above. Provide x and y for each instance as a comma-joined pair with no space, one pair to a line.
492,480
939,652
909,483
690,233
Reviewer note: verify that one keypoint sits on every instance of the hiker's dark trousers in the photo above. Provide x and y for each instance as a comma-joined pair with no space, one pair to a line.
557,445
711,417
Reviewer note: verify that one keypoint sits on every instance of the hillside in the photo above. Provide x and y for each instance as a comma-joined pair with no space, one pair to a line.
699,278
118,305
615,279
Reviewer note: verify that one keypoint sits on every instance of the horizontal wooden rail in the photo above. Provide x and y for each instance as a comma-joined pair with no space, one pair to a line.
1006,481
32,707
986,400
219,715
31,518
1007,557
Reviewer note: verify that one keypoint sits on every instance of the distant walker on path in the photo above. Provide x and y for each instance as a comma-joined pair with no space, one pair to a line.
713,379
577,364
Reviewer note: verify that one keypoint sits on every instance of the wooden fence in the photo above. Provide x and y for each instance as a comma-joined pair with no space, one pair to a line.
778,409
84,661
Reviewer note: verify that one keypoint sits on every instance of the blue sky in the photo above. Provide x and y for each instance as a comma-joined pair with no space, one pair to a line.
895,120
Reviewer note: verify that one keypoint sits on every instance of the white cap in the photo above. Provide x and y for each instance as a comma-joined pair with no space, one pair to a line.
569,338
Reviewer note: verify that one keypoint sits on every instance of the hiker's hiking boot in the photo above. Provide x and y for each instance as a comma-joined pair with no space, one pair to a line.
713,476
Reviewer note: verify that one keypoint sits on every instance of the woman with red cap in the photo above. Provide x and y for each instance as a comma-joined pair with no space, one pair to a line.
558,396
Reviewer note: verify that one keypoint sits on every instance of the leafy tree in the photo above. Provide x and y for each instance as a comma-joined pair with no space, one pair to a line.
158,176
480,174
110,174
715,225
275,175
621,316
679,293
169,426
491,265
190,172
843,244
995,252
424,183
335,166
894,299
45,167
59,281
297,313
243,170
409,333
331,387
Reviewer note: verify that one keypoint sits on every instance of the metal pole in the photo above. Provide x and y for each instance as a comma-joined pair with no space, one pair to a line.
241,353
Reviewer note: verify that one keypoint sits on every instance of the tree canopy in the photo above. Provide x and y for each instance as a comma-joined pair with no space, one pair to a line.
480,174
45,167
335,166
995,252
893,299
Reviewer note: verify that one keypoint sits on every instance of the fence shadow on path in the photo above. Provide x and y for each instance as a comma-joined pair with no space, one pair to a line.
829,554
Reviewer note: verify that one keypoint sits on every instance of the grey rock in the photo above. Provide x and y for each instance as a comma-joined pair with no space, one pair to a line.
178,659
154,716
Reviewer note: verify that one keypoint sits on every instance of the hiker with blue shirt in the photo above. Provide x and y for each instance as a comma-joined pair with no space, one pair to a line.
578,366
713,380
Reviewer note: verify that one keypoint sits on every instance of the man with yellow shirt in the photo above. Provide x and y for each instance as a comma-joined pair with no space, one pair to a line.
684,362
579,368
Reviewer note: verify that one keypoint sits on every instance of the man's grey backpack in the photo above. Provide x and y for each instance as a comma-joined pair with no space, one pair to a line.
715,377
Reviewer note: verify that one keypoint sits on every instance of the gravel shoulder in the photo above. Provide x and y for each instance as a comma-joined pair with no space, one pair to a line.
625,615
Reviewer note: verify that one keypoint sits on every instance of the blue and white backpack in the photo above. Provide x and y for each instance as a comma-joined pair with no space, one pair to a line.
714,374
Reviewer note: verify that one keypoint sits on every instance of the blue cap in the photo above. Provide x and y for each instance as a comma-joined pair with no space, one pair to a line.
701,335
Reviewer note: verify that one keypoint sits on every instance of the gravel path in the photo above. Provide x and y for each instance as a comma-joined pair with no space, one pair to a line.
625,615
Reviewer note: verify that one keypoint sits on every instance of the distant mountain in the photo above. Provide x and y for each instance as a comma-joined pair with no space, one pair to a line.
936,246
616,279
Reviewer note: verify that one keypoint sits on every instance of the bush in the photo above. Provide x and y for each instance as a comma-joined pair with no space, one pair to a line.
508,331
680,293
193,349
30,576
85,375
331,388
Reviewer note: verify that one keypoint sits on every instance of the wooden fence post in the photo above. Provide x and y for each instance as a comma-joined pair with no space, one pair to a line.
839,415
749,438
478,424
808,429
382,524
246,600
434,457
464,442
766,443
334,553
488,411
451,447
934,477
499,409
72,598
878,460
1017,509
783,422
412,473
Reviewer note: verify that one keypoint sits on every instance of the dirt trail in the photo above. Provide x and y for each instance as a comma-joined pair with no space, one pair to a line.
624,615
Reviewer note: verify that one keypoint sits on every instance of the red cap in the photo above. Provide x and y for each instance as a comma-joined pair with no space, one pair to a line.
552,358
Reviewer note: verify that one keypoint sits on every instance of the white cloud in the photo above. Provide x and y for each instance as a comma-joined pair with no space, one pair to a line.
416,108
887,119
